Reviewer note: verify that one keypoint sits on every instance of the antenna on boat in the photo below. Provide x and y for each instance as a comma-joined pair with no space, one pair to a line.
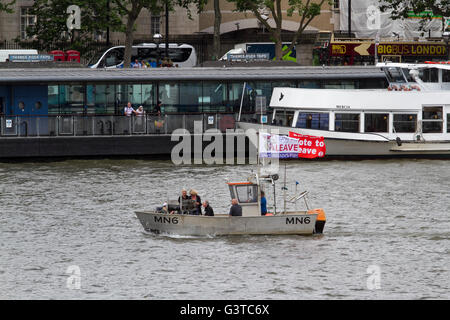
284,188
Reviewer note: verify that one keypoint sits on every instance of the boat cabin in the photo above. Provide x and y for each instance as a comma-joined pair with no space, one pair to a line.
376,115
422,77
248,196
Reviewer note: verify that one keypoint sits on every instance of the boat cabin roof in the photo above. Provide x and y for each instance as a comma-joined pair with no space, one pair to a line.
239,183
443,66
347,100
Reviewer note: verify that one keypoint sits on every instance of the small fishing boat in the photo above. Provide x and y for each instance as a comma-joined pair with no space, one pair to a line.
176,219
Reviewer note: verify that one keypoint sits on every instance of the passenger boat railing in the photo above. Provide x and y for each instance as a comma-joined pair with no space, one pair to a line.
66,125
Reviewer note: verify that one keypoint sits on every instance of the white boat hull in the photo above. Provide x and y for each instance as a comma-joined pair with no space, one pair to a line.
300,223
342,144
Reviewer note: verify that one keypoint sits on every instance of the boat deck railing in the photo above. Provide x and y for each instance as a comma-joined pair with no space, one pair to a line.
112,125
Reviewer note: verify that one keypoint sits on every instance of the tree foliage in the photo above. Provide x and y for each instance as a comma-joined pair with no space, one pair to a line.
51,25
130,10
264,10
401,9
7,6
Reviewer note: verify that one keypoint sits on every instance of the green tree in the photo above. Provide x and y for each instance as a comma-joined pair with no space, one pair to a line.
426,9
217,23
263,10
130,10
7,6
51,25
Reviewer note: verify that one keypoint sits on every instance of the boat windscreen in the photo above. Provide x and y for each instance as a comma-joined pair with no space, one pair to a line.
394,74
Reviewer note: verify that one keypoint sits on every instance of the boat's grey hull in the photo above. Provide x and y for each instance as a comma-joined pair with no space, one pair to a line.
219,225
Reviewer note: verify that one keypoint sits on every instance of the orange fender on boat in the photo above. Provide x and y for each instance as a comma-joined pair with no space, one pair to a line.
320,214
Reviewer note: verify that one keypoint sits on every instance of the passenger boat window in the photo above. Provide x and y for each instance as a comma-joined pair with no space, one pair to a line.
247,193
448,122
445,75
408,75
394,74
376,122
283,118
432,119
429,75
405,122
313,120
346,122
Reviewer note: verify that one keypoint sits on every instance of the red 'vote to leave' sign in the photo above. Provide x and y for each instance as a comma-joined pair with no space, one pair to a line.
309,146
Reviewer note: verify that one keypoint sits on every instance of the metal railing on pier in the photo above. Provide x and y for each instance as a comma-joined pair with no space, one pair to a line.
112,125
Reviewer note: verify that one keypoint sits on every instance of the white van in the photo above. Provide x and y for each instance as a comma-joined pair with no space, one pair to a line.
4,54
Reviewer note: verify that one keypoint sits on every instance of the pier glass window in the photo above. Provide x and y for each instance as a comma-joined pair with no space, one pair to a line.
190,94
128,93
342,84
169,95
234,96
309,84
405,122
313,120
214,98
53,99
100,98
283,118
376,122
71,98
346,122
432,120
148,97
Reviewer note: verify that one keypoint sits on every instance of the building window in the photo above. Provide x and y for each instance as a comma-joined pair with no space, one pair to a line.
405,122
346,122
432,120
313,120
336,4
155,24
376,122
26,20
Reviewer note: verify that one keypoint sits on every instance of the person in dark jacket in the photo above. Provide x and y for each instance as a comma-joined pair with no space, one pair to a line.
236,209
208,210
193,194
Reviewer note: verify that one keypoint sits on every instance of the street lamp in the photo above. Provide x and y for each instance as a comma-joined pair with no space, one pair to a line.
157,38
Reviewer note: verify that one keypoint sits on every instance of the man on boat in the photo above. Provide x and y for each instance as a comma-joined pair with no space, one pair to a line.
263,204
186,204
236,209
208,210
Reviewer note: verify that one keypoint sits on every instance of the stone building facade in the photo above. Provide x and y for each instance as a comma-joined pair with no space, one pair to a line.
235,27
13,25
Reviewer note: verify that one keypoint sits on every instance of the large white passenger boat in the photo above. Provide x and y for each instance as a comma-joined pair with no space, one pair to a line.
410,117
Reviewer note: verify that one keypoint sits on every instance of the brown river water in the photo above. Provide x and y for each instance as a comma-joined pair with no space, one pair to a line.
68,231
